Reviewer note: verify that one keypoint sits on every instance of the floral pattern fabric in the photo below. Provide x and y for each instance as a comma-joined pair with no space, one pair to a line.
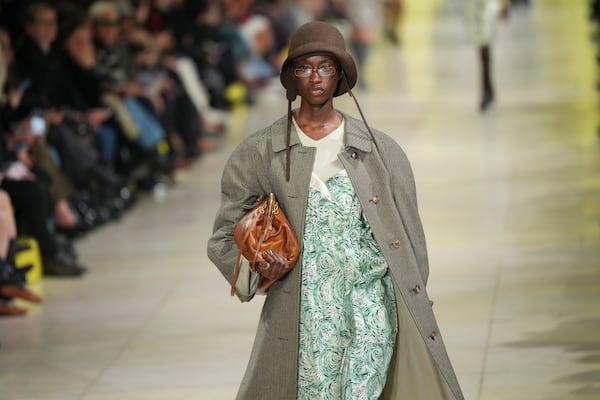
348,319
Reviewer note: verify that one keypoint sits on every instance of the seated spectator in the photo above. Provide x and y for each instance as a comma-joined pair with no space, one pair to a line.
160,40
48,163
260,59
213,54
83,94
148,94
81,87
11,99
287,16
30,198
38,62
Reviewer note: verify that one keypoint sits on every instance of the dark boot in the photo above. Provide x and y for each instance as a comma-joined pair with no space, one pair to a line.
13,248
487,90
13,284
62,264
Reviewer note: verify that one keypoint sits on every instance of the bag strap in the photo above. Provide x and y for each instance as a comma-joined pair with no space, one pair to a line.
268,225
362,116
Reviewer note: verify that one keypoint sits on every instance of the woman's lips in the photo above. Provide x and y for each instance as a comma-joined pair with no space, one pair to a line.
315,91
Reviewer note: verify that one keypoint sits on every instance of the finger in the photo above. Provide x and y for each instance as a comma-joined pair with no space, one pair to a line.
274,258
267,257
271,253
274,254
270,256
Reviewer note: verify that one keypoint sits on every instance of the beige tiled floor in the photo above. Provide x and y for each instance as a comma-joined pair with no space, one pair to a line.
510,201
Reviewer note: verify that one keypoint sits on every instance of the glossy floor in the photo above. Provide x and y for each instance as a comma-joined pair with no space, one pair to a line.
510,201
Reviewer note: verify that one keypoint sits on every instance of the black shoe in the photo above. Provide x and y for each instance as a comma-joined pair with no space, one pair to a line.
105,175
391,36
66,244
486,100
62,264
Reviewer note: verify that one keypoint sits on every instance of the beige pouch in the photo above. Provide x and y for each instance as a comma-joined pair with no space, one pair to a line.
247,282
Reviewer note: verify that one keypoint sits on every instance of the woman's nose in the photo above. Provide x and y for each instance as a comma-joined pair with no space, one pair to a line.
314,75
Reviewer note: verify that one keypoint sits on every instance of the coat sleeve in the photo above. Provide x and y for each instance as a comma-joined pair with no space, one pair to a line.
405,196
240,186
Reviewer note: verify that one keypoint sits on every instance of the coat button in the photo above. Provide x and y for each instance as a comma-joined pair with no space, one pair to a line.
433,335
395,244
375,200
416,289
354,155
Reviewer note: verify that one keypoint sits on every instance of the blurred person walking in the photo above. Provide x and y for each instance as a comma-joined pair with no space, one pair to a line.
482,21
392,18
365,18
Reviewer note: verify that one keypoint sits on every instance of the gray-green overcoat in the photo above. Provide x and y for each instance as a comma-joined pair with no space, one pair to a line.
383,180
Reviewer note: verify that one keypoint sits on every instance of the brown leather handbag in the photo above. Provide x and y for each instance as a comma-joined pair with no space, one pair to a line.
264,227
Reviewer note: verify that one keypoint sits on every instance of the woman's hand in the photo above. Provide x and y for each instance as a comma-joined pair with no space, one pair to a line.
272,265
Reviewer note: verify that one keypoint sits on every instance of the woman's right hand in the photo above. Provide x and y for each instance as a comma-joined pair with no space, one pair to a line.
272,265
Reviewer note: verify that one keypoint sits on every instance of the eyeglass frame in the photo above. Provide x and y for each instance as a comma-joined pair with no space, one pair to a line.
313,70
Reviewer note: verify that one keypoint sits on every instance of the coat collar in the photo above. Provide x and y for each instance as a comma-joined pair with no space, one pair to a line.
356,135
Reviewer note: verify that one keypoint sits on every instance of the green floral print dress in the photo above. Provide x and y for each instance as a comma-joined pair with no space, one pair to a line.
348,319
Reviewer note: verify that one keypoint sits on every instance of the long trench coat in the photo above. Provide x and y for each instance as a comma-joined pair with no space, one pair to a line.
382,178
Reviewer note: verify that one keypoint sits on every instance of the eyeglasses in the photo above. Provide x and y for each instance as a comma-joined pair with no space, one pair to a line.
108,23
304,71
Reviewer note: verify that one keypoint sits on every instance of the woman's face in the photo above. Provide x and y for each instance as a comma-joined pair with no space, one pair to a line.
107,28
316,78
79,40
43,29
80,46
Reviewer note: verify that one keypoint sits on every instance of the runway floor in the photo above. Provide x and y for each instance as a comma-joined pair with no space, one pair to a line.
510,202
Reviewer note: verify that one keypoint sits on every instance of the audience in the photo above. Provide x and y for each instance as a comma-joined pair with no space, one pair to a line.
30,197
101,100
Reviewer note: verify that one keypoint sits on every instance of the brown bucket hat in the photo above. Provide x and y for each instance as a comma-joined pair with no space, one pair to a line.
318,37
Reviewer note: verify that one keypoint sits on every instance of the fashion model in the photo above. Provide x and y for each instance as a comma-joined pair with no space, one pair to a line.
352,320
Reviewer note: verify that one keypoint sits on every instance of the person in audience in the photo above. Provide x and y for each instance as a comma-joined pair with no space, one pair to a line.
38,62
31,200
213,54
11,96
42,88
165,53
258,57
127,82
